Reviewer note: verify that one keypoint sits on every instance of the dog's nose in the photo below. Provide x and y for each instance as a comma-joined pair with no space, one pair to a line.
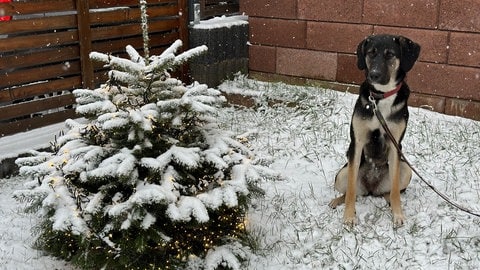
374,75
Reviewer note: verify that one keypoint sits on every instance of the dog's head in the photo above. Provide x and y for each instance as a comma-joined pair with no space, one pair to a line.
386,58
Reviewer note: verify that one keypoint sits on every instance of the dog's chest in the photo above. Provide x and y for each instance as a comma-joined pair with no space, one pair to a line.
365,121
386,107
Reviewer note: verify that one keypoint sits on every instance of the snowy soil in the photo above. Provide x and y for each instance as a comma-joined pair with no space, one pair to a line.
16,234
292,224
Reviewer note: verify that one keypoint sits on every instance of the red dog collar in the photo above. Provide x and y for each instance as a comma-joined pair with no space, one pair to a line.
386,94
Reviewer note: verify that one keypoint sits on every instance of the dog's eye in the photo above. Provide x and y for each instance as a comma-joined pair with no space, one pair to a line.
389,54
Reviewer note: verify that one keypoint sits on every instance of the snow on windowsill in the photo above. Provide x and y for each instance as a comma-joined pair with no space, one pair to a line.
220,22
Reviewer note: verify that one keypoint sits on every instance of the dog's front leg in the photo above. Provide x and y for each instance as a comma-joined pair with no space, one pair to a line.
351,193
394,173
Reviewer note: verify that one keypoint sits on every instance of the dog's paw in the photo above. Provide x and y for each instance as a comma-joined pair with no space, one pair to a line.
398,220
336,202
349,220
333,204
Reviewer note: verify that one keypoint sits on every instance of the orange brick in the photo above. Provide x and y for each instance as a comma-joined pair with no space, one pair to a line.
336,37
434,43
332,10
309,64
347,71
286,33
262,58
444,80
465,49
412,13
463,108
428,102
460,15
285,9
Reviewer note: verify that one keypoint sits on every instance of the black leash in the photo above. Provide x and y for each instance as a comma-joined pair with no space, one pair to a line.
400,153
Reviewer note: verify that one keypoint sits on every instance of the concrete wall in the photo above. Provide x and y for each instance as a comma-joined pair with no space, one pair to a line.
317,39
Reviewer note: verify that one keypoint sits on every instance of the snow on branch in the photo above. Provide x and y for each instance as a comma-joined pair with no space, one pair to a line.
186,208
172,49
67,216
185,56
146,194
189,157
224,257
118,63
160,63
134,55
122,165
123,77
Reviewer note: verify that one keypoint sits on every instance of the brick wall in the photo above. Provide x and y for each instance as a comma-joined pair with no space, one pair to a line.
316,39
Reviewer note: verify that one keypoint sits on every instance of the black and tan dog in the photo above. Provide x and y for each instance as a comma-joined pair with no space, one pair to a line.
374,166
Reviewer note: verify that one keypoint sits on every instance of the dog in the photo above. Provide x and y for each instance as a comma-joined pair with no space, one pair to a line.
374,166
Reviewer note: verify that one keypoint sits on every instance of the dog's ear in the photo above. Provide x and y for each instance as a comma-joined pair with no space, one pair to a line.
410,52
361,64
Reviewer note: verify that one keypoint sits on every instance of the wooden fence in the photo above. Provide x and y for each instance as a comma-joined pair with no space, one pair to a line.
44,51
211,8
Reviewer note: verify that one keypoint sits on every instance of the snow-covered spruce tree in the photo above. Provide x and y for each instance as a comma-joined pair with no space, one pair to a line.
148,180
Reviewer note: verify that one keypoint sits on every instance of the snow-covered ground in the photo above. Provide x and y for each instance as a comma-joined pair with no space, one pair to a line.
305,138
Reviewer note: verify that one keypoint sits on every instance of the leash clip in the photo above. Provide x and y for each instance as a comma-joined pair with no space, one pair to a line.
372,103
